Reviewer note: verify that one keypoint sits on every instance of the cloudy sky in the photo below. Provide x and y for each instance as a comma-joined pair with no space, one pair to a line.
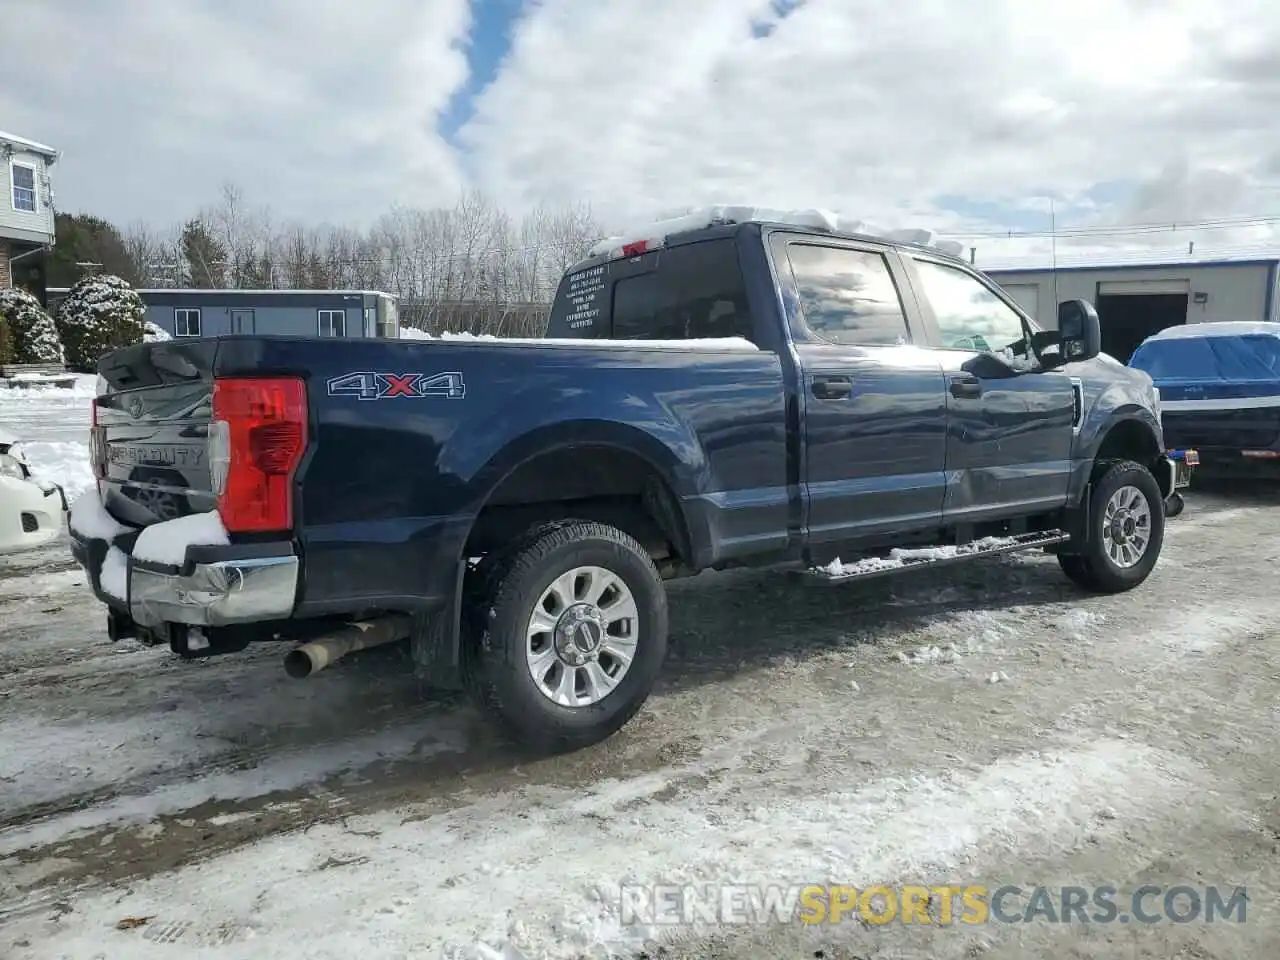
961,116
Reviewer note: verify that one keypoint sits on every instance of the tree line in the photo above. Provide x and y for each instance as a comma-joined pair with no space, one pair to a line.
473,254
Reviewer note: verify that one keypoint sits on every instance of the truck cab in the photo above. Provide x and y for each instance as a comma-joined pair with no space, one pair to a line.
923,400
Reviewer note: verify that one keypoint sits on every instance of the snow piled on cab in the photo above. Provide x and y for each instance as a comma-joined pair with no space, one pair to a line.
655,233
154,333
167,542
709,344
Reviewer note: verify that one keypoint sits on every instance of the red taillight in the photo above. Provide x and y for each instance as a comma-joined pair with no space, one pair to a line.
97,449
256,440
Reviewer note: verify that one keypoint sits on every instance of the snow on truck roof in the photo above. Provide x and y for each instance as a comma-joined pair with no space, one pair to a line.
654,235
1217,328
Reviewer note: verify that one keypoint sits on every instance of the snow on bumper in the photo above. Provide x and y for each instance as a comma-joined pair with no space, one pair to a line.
30,513
201,584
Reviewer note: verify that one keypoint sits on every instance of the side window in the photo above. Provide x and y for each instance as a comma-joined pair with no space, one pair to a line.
848,296
970,317
694,293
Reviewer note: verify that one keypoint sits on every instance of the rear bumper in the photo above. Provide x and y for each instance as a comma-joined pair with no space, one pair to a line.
215,587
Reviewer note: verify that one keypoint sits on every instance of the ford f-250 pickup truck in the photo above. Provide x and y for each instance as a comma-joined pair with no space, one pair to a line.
728,389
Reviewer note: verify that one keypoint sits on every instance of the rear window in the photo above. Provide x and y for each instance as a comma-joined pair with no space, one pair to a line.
1210,358
690,292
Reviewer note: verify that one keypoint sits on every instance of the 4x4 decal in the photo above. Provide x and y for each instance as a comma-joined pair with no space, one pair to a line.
370,385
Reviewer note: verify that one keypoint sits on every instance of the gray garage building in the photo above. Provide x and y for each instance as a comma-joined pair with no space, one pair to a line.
346,314
1135,300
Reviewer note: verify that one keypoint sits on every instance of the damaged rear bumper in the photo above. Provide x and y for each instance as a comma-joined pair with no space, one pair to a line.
216,586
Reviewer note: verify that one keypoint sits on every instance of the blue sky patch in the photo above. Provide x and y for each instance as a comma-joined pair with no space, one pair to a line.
492,22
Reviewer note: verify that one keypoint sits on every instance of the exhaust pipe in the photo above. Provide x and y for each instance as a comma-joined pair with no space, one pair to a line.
315,655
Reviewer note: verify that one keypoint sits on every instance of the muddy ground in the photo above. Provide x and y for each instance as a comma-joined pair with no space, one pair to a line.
983,724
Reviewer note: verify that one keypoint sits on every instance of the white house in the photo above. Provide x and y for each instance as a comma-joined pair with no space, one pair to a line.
26,203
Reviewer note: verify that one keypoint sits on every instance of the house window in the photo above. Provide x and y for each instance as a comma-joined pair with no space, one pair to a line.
333,323
24,187
186,322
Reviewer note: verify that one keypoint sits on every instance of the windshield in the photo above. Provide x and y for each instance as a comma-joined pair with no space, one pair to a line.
1210,358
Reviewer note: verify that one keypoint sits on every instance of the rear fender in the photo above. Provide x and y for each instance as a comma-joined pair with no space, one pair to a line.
437,640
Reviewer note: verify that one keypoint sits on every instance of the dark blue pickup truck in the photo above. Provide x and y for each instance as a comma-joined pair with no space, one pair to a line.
715,392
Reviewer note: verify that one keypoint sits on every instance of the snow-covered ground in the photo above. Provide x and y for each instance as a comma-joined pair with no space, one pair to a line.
982,724
53,425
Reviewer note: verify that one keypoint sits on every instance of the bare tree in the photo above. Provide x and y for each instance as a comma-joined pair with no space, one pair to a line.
471,266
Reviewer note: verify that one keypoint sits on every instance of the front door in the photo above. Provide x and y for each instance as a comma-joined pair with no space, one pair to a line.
873,403
1009,434
242,321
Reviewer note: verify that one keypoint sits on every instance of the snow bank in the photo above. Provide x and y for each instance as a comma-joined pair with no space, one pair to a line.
53,425
64,462
167,542
40,388
89,518
709,344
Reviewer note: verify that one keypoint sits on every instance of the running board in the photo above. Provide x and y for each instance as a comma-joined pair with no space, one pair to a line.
912,559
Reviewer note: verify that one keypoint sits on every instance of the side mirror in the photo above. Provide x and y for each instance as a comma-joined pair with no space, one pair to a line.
1079,333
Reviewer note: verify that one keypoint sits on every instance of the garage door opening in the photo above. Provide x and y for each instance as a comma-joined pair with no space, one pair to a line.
1129,316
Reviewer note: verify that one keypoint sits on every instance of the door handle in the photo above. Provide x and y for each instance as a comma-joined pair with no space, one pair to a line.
966,386
832,388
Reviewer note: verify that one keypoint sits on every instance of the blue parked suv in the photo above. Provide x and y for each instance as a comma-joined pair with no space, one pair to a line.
733,388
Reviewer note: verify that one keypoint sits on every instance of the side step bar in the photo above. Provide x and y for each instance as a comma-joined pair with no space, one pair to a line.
912,559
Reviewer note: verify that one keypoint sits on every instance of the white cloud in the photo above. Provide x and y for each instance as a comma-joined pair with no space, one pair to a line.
875,108
328,110
320,108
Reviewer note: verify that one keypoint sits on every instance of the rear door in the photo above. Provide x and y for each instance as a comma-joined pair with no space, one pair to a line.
1009,434
874,408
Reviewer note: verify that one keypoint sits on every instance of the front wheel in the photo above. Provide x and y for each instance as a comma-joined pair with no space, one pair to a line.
1124,531
572,634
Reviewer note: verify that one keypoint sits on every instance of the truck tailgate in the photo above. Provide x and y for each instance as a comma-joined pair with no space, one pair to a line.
149,441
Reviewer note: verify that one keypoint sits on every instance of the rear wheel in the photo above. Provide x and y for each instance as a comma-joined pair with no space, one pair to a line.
1124,531
569,633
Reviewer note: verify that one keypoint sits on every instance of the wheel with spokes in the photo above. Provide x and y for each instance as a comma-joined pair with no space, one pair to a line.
1124,531
572,633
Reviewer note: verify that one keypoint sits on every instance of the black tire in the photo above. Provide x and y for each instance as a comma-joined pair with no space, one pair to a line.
1174,505
503,594
1092,566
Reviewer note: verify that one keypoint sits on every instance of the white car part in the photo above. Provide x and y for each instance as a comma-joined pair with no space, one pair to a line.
30,512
